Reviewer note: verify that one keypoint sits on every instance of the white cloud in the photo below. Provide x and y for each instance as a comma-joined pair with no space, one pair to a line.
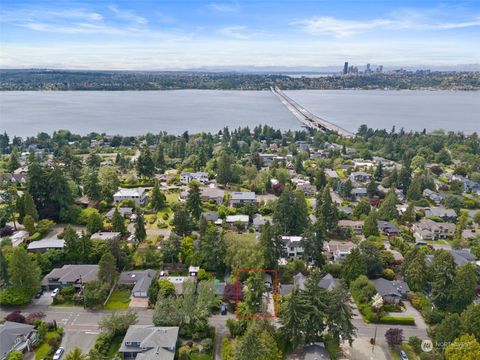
236,32
223,8
326,25
128,15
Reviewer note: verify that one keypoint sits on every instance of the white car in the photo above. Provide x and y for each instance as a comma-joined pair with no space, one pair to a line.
55,292
58,354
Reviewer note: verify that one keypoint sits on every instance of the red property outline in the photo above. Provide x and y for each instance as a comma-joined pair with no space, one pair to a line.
275,293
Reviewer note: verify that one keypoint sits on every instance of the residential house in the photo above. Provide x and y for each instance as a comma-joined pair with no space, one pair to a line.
315,351
107,236
46,244
266,159
137,195
328,282
338,250
432,195
347,226
293,246
242,197
360,177
332,174
19,237
388,228
258,221
359,193
140,279
307,188
461,257
212,194
470,234
238,219
347,210
391,291
149,342
193,270
361,163
20,179
126,212
427,229
467,184
210,216
74,275
187,177
448,215
16,337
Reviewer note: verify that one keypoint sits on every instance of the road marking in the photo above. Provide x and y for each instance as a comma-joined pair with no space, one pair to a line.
92,332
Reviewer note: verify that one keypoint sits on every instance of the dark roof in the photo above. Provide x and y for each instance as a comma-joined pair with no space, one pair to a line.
394,288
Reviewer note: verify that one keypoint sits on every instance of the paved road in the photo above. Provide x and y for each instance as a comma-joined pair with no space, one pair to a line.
80,325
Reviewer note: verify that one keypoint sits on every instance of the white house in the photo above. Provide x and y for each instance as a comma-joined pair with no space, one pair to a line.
138,195
293,246
186,177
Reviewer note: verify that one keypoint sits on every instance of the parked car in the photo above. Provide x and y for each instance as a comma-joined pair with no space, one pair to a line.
403,355
39,294
55,292
223,309
58,354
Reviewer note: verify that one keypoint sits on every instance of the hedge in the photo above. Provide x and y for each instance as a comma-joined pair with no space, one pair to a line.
392,320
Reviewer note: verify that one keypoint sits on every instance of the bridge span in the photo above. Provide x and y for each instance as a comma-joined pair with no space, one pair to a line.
307,118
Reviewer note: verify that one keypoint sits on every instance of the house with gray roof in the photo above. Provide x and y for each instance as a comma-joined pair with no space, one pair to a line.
212,194
210,216
46,244
448,215
328,282
148,342
70,275
124,211
16,337
391,291
461,257
141,281
242,197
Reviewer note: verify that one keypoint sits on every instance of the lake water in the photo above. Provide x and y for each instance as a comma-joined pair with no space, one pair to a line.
138,112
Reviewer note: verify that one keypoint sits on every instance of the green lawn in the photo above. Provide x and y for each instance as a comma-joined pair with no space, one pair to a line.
118,301
42,351
200,357
172,197
405,347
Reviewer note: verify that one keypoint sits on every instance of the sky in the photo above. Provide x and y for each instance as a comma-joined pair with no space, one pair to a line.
186,34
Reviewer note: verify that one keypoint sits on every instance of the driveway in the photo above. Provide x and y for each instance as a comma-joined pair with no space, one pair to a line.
221,330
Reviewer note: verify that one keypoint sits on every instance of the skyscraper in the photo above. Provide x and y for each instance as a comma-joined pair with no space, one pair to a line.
345,68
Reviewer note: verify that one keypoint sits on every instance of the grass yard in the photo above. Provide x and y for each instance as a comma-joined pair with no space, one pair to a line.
42,351
405,347
172,198
118,301
200,357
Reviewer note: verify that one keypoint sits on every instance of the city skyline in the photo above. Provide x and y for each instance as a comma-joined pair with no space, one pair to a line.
148,35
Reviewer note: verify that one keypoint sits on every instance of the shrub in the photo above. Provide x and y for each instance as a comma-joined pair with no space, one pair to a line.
45,226
16,316
207,345
6,231
391,320
388,274
36,236
12,297
362,290
394,336
416,343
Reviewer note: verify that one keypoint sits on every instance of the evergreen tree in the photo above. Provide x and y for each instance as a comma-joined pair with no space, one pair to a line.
326,211
145,165
340,314
353,266
94,223
388,209
194,202
107,269
320,179
91,184
3,268
409,216
346,189
224,168
443,274
283,214
372,188
24,273
140,232
158,200
293,317
300,213
29,207
118,222
72,245
370,226
378,175
159,156
362,208
13,160
212,249
416,273
272,245
29,224
182,222
312,243
462,291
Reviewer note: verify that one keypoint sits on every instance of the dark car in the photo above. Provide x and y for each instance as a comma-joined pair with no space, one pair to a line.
39,294
223,309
